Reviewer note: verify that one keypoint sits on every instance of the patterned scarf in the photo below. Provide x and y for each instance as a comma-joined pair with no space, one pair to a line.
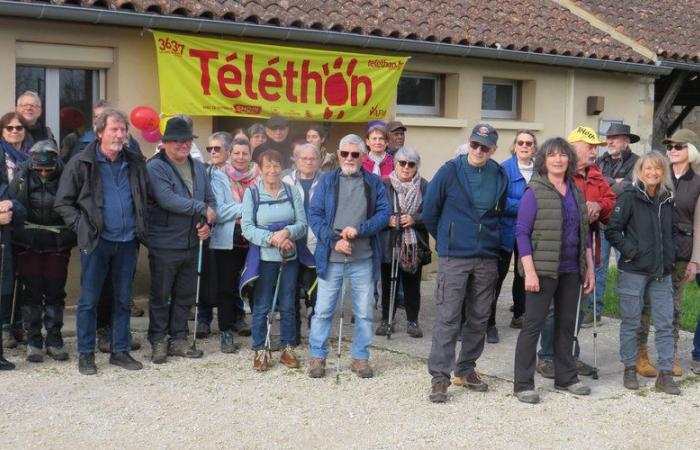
410,200
240,181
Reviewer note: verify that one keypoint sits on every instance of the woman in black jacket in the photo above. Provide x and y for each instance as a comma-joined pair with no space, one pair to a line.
641,228
406,239
43,244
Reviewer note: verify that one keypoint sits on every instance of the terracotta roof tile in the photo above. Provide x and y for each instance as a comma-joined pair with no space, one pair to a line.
528,25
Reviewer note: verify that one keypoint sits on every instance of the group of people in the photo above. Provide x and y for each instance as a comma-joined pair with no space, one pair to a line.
292,227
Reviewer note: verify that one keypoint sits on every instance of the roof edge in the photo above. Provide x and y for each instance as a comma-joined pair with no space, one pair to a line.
249,30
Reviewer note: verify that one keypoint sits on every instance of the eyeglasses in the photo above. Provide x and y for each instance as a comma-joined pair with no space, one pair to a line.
410,164
17,128
30,106
525,143
213,149
677,147
277,128
44,170
480,147
311,159
353,155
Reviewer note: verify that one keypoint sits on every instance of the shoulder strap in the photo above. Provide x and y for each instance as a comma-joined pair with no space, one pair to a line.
256,203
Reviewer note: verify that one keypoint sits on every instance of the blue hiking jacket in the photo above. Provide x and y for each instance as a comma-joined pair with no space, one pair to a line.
515,191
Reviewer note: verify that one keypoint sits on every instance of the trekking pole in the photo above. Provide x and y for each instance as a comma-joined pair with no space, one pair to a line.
202,221
395,253
2,276
340,326
578,314
595,317
271,313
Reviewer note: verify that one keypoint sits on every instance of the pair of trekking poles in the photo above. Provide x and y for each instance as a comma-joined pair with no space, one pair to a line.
595,318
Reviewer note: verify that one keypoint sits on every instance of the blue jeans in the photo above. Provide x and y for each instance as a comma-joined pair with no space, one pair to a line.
265,291
120,258
601,275
632,289
359,274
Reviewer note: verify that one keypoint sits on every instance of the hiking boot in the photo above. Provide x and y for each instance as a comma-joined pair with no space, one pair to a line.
529,396
644,367
86,364
104,340
57,353
695,367
227,344
629,379
361,368
473,381
159,352
666,384
677,369
8,339
35,354
545,367
583,369
438,393
125,361
492,335
383,329
135,343
182,348
136,311
317,368
241,327
587,321
516,323
577,388
289,359
203,330
261,360
414,330
5,364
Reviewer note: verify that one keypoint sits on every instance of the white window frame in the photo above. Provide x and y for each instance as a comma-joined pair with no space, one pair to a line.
416,110
502,114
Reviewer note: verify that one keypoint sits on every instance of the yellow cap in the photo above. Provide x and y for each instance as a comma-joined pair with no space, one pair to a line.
584,134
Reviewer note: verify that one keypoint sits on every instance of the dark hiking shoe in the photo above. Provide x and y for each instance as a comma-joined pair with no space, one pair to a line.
414,330
361,368
666,384
695,367
473,381
383,329
135,343
8,340
125,361
241,327
159,353
587,321
584,369
438,392
136,310
5,364
203,330
317,368
516,323
57,353
577,388
529,396
86,364
182,348
227,344
492,335
104,340
629,379
35,354
545,367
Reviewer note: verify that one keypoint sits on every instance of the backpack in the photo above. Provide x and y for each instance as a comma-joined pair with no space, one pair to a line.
256,200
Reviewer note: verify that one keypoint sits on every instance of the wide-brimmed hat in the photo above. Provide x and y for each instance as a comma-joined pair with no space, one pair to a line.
684,136
620,129
395,125
177,130
584,134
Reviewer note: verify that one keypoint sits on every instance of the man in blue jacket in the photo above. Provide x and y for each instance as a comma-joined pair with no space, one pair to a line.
462,210
347,212
179,218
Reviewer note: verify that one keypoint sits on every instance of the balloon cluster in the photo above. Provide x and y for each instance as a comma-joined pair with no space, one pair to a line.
147,120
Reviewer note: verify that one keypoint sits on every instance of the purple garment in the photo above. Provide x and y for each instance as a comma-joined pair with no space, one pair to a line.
568,256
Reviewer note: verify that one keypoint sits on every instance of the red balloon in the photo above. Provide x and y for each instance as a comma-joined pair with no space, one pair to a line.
71,118
151,136
145,118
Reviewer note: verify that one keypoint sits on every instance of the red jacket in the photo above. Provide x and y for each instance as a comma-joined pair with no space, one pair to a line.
596,189
385,167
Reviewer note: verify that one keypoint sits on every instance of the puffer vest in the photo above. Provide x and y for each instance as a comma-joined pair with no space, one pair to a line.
547,229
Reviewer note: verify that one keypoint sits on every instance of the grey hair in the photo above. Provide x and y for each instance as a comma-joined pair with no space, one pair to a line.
187,119
306,146
256,128
44,146
101,121
693,154
353,140
30,94
225,138
407,154
101,103
462,149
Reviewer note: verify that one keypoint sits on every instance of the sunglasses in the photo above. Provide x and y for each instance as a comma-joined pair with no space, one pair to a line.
678,147
277,128
525,143
410,164
213,149
14,128
353,155
481,147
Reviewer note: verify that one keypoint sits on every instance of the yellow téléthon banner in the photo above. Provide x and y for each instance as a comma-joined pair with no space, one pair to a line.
214,77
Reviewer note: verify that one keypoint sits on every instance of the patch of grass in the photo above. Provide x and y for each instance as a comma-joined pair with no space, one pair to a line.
691,302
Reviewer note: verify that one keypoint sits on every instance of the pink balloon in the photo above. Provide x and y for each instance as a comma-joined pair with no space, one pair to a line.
151,136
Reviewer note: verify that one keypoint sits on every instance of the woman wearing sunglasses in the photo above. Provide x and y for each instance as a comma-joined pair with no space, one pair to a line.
231,173
405,239
15,142
519,168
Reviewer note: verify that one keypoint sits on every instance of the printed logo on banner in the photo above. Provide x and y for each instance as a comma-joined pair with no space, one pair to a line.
202,76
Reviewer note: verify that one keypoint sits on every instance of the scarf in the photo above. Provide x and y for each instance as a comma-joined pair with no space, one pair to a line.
377,160
240,181
409,201
13,158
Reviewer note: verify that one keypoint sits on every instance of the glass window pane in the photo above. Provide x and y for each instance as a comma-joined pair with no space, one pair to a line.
416,91
75,100
28,78
497,97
